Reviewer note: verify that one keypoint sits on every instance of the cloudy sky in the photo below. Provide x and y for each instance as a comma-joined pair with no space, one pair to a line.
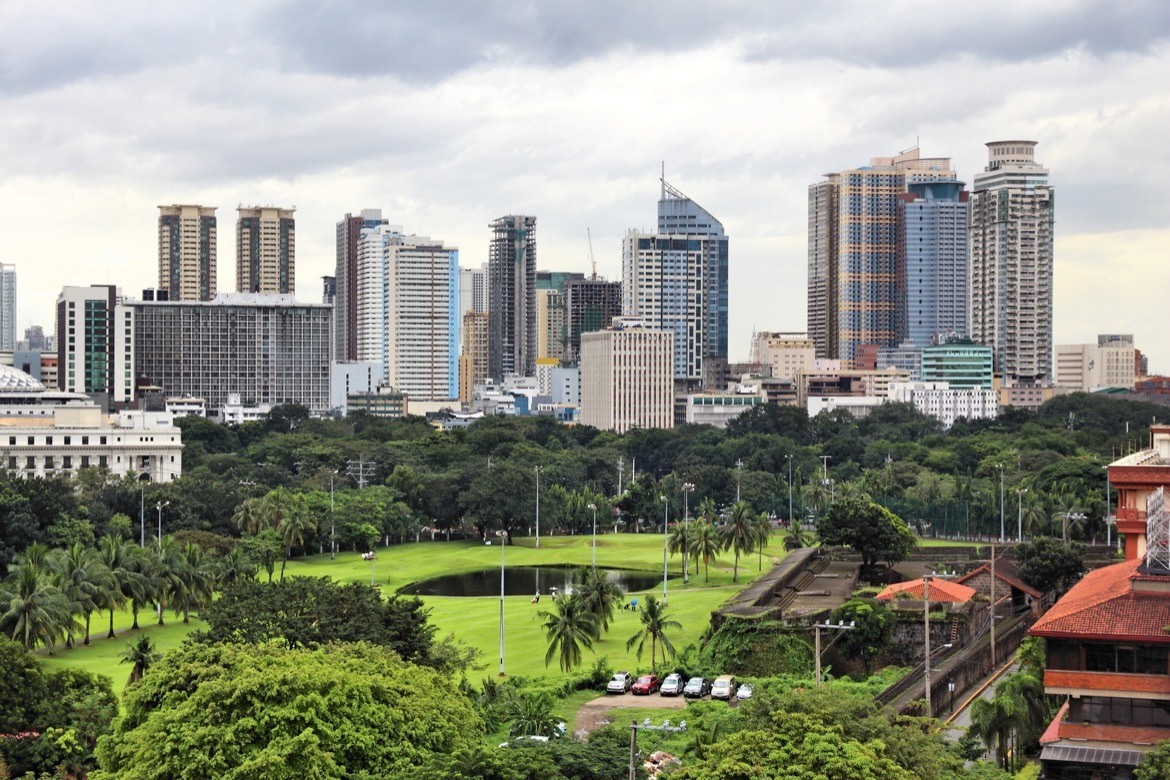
448,114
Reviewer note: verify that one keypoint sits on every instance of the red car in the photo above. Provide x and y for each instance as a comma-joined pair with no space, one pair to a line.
646,685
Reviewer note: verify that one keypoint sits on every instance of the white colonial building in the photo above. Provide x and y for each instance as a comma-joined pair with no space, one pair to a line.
45,433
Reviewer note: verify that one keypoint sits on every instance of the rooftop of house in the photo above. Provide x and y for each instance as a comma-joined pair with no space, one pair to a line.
1105,605
940,590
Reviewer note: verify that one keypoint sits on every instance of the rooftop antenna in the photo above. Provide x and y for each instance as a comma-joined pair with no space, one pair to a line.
662,179
592,259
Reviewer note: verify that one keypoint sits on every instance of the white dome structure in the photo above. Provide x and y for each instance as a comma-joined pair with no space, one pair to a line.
13,380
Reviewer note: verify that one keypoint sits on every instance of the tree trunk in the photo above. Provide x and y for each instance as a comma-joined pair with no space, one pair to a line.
111,635
134,609
88,615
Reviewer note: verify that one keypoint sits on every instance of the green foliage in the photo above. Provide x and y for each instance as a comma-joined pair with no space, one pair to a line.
1050,565
869,528
252,711
655,625
313,611
873,627
1155,764
569,627
756,648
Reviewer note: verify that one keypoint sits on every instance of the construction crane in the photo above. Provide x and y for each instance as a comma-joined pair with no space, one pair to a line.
592,259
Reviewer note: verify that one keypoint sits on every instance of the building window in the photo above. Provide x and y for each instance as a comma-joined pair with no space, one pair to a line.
85,440
31,441
102,440
85,461
30,463
103,461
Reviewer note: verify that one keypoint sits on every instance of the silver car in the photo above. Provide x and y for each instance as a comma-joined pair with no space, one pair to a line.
672,685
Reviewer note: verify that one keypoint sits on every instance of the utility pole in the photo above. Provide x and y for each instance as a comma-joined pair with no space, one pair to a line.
789,459
360,470
738,469
993,605
926,631
332,519
1020,514
537,468
817,641
1002,534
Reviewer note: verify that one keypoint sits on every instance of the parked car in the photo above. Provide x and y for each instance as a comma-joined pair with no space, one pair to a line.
744,692
646,685
723,687
621,682
697,688
672,685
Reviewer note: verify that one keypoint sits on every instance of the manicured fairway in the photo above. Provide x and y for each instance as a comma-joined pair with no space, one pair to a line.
475,621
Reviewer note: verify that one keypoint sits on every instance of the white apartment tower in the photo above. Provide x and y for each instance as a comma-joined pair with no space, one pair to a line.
1011,218
186,252
7,307
408,311
95,343
627,377
266,250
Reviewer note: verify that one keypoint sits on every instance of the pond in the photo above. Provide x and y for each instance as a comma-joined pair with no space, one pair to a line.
524,581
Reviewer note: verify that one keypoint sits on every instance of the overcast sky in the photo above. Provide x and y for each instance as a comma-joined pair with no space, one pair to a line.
448,114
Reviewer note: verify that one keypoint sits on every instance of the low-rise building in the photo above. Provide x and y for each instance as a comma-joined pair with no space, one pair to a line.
718,409
945,403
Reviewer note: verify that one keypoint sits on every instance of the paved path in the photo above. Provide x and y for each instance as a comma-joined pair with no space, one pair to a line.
598,712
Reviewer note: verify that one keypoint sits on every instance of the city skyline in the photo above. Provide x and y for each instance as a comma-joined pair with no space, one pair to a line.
232,105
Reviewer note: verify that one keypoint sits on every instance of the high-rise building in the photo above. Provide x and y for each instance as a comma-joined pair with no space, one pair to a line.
473,290
95,343
512,297
186,252
678,215
349,234
1086,367
932,261
473,361
853,256
266,250
550,312
1011,217
627,377
787,353
7,307
590,305
265,349
408,310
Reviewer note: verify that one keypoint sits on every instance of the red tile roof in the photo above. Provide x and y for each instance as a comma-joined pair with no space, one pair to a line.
1104,605
940,590
1004,572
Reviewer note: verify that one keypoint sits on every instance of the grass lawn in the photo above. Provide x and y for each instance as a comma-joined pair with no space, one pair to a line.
476,621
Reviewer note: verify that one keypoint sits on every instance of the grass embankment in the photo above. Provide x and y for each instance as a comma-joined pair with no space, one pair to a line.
476,621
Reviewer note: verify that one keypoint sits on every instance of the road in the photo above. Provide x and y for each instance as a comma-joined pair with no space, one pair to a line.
959,719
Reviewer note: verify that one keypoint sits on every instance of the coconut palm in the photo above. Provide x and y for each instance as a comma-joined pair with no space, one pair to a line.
83,579
125,581
235,566
708,510
705,546
141,654
33,610
739,534
600,596
531,714
763,531
797,538
568,628
295,522
248,517
166,564
994,721
816,494
677,539
655,624
196,579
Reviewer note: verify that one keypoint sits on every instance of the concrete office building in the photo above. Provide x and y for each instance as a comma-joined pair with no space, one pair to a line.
627,377
349,235
7,307
1087,367
186,252
907,357
932,261
407,311
351,378
787,353
550,312
1011,219
590,305
266,251
512,297
945,403
678,215
853,254
473,290
473,360
266,349
95,343
959,363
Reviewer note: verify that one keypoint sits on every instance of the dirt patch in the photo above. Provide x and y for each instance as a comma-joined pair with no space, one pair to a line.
600,712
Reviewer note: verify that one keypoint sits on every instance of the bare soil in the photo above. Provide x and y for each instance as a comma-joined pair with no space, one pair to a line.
599,712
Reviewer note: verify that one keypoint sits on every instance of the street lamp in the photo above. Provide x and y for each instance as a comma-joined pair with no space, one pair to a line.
926,631
332,520
1020,514
503,535
789,459
593,507
665,536
160,506
687,488
537,469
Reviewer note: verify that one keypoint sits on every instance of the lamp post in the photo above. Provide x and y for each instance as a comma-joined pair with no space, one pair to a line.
665,536
738,469
593,508
537,469
687,488
1002,530
503,535
160,506
332,520
789,459
1020,514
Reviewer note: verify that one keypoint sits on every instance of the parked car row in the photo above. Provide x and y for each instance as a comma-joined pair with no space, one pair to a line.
722,687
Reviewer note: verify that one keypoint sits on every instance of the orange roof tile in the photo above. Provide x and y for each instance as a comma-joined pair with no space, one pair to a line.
1104,605
940,590
1004,572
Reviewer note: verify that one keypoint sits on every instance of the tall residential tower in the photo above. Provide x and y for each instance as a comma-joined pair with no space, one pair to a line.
349,235
7,307
1011,219
932,262
186,252
266,251
512,297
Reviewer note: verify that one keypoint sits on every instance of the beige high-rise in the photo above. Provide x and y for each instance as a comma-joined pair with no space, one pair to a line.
266,250
186,252
627,377
473,363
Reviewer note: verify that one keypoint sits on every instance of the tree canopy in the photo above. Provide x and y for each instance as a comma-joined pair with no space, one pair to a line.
869,528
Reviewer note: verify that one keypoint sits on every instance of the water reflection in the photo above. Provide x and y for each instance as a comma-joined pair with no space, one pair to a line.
524,580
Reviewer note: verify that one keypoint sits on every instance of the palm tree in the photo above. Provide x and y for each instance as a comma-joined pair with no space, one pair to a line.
248,517
763,531
676,540
797,537
600,596
994,721
124,580
531,714
739,533
708,510
654,626
83,579
817,494
142,655
295,522
705,546
166,564
235,566
32,609
569,628
196,578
